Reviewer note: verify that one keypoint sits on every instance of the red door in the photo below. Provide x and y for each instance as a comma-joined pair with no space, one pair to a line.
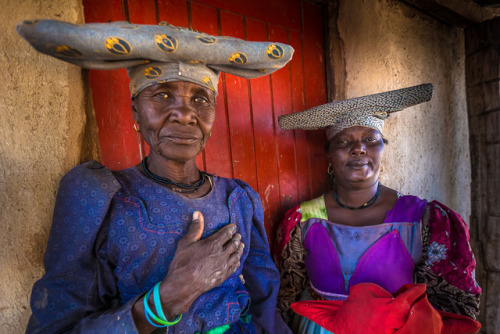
285,167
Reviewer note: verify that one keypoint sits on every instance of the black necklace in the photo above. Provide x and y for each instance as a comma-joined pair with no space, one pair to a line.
364,206
184,188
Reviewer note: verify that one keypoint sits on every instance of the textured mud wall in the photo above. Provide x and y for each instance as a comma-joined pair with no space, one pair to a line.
383,45
483,90
43,125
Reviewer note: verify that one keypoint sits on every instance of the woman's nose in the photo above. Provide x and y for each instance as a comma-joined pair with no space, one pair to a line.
358,148
183,113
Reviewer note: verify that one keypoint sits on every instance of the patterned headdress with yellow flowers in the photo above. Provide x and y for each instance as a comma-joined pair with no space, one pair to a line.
155,53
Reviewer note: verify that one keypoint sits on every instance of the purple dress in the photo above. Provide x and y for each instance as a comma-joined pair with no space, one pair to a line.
418,242
340,256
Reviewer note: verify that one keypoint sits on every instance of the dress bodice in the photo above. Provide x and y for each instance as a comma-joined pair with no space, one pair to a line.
113,237
340,256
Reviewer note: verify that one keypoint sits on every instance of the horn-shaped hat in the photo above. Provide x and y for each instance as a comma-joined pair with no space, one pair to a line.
155,53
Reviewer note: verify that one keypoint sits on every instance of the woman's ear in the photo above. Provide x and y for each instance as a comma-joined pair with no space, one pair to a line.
133,106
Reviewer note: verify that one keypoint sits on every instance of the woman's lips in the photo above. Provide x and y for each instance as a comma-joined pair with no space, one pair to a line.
357,164
181,138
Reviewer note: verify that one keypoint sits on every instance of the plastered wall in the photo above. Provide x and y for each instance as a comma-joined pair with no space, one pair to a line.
42,117
385,44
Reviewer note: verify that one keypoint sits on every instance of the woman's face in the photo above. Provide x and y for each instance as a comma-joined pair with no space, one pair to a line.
175,119
355,154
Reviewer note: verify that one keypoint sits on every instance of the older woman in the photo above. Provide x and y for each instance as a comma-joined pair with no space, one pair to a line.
359,247
161,244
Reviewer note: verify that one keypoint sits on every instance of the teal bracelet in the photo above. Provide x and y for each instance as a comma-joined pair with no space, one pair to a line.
148,311
159,309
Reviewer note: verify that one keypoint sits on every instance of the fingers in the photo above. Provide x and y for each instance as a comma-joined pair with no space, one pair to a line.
229,267
239,251
222,236
233,244
233,264
196,228
234,250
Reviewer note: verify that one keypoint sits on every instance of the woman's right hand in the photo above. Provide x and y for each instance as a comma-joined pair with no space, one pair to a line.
199,265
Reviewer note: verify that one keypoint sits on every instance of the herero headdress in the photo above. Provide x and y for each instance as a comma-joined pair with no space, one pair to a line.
155,53
369,111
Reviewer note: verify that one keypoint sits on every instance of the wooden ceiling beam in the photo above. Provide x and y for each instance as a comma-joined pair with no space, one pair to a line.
460,13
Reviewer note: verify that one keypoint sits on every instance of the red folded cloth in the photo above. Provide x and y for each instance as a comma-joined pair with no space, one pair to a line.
370,309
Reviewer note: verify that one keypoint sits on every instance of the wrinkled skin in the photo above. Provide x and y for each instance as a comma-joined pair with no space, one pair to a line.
176,120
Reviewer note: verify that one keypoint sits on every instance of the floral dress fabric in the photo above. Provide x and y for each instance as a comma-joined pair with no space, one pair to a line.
446,264
112,239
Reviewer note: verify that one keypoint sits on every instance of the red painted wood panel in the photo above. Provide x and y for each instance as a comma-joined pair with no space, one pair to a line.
282,104
264,126
240,118
102,11
142,11
280,12
204,18
298,104
117,138
315,91
218,148
174,12
285,167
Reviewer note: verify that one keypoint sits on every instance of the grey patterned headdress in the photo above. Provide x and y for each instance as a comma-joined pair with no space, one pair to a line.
369,111
154,53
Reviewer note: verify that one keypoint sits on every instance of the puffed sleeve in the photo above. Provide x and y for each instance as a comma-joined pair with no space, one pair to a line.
291,263
261,277
448,264
77,292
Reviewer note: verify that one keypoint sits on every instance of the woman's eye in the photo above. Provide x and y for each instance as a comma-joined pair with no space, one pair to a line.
200,99
163,95
371,139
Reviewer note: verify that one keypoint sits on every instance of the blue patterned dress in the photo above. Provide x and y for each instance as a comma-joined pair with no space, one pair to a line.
112,239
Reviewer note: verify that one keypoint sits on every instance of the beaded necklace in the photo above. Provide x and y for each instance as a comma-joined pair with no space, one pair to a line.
184,188
364,206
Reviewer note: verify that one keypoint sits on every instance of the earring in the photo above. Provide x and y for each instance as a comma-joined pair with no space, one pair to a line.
139,140
331,176
330,169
